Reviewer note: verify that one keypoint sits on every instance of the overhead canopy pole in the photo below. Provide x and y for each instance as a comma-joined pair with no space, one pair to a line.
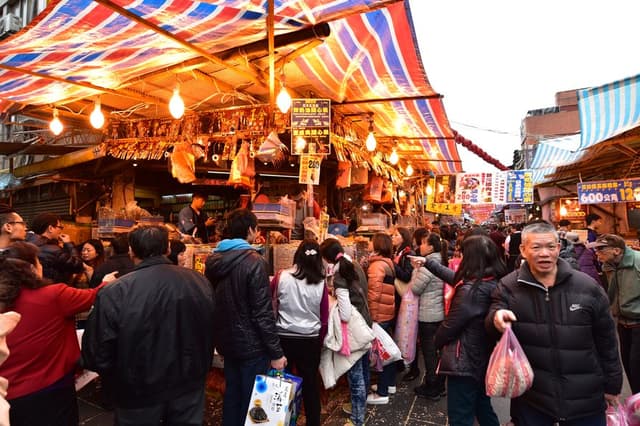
272,59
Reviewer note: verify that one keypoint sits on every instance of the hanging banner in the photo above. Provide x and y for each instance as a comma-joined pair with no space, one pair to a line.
310,126
609,191
474,188
480,213
310,169
442,197
513,187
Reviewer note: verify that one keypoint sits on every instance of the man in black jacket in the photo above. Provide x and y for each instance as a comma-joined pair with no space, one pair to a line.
244,320
150,335
58,256
120,262
562,320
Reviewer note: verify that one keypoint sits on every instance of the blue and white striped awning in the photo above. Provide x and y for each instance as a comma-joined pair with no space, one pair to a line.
608,110
552,153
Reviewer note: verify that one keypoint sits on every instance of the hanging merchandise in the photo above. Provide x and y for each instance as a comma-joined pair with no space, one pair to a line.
240,168
272,150
183,163
343,179
373,190
359,175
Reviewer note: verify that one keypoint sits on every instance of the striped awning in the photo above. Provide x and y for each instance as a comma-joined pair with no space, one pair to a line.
608,110
556,152
77,49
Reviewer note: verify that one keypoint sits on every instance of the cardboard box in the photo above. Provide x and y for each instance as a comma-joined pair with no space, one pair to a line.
272,401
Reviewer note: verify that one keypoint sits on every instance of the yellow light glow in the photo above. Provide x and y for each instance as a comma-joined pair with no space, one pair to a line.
371,142
300,144
563,211
97,118
283,100
55,125
429,190
409,170
176,104
393,158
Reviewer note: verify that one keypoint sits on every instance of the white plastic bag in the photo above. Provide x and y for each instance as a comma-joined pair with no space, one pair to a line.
384,350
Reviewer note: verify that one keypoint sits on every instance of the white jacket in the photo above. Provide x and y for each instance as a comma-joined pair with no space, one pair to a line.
332,363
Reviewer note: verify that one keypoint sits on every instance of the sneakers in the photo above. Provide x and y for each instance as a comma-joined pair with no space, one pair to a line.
391,389
375,399
430,392
346,408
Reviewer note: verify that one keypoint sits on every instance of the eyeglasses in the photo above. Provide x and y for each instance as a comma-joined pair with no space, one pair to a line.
20,222
60,227
602,248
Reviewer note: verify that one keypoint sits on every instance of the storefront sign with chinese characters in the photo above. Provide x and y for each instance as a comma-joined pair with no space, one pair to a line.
442,197
613,191
474,188
310,169
310,126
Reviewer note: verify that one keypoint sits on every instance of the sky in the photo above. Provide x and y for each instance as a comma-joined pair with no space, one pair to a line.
495,60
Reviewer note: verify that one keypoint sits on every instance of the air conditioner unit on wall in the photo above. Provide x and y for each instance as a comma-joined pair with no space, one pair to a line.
10,24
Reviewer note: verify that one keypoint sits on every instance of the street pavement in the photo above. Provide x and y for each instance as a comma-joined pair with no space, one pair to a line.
404,408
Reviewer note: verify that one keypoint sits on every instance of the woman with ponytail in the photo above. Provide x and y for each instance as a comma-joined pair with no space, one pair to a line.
350,287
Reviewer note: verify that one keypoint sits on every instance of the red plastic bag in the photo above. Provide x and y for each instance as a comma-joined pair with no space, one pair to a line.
509,373
345,349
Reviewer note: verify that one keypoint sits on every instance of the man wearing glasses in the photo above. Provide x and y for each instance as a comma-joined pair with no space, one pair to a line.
621,266
58,256
12,227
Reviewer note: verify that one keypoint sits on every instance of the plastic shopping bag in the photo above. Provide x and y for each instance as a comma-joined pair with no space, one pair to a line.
616,415
632,406
384,350
509,373
407,326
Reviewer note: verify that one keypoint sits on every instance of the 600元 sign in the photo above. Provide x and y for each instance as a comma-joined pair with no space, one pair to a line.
627,190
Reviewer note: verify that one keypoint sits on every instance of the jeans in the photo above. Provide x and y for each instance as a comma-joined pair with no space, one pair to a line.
630,354
388,375
187,409
358,377
239,376
522,414
303,354
468,400
427,332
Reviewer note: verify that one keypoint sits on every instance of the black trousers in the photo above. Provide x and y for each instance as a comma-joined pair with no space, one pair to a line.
630,354
54,406
303,354
188,409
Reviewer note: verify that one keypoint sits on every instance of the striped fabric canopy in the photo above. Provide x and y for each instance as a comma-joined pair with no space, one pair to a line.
371,54
608,110
556,152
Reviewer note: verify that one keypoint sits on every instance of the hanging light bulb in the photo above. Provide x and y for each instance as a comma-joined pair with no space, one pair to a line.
409,170
371,142
429,190
300,144
56,125
97,117
283,100
563,211
393,158
176,104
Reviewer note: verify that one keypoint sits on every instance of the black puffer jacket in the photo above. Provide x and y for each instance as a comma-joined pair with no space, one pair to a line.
150,333
244,318
569,337
466,346
58,263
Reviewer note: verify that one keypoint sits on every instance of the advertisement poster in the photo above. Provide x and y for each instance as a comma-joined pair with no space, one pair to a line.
570,209
310,169
310,126
611,191
474,188
513,187
442,197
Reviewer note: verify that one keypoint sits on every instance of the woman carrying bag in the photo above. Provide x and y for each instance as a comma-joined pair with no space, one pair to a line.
381,300
350,286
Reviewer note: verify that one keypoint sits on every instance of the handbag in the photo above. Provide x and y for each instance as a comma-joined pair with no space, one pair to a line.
384,350
273,285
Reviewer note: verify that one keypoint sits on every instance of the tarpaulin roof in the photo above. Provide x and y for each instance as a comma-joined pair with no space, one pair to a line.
132,54
608,110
